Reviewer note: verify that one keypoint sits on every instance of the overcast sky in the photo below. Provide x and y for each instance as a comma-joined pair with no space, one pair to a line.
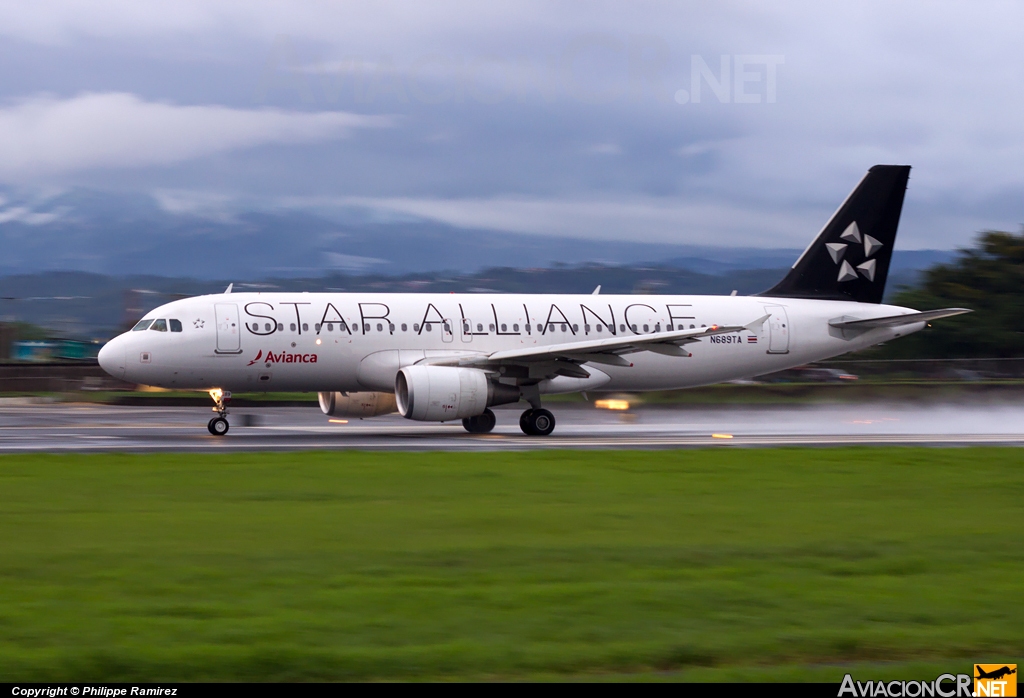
703,123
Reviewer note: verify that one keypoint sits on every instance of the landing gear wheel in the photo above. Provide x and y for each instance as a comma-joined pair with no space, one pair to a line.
218,426
481,424
537,422
524,422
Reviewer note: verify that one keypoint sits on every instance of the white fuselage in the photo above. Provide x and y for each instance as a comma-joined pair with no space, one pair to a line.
357,341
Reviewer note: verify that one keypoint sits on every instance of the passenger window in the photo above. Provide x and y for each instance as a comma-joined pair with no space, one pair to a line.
429,327
280,327
515,327
380,327
479,327
491,327
540,327
266,326
330,327
646,328
175,325
504,327
575,328
633,327
142,325
564,327
305,327
416,327
316,327
291,327
391,327
405,327
622,328
600,328
586,327
159,326
366,327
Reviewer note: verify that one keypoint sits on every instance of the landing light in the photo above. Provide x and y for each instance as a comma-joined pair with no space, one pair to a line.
618,405
216,394
318,341
721,436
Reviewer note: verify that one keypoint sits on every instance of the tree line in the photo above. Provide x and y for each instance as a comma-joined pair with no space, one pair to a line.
987,278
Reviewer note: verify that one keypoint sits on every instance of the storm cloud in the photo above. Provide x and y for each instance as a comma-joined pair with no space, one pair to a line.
726,124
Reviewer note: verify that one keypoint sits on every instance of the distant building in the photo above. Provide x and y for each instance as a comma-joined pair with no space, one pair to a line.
53,350
7,335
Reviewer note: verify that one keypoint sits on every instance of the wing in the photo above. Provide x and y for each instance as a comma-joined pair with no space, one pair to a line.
603,351
848,323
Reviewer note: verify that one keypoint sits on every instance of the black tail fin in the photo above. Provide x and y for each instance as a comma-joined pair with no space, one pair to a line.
849,260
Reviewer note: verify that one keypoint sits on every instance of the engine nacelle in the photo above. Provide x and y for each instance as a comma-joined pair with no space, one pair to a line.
357,404
441,393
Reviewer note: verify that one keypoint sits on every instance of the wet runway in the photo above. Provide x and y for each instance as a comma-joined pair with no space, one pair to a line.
60,427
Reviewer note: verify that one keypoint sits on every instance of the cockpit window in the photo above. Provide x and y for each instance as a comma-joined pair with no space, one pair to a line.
175,325
159,326
143,325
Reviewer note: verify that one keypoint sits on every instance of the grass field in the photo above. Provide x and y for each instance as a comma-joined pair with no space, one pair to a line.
706,565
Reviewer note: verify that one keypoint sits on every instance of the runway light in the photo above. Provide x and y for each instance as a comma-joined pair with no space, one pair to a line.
618,405
721,436
338,421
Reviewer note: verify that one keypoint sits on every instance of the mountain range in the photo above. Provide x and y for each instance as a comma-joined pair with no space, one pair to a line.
84,263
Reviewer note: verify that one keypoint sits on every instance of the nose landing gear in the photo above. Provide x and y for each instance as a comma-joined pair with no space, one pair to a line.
218,426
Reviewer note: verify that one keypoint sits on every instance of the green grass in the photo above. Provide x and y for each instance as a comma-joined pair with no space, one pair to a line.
714,564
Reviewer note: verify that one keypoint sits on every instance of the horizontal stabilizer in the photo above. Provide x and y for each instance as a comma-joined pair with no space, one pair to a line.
848,323
755,326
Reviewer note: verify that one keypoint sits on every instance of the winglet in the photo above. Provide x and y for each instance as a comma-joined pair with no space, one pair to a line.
596,290
230,286
756,324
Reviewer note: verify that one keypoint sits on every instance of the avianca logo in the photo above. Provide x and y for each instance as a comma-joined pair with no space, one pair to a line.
284,358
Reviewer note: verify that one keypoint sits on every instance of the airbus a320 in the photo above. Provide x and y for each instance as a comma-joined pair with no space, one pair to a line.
440,358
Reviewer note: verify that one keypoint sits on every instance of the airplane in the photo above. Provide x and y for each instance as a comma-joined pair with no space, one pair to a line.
995,674
448,357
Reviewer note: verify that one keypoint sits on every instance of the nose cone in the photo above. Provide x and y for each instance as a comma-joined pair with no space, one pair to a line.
111,357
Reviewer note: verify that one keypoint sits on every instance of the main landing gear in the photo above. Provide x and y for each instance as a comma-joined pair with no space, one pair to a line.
481,424
533,422
218,426
537,422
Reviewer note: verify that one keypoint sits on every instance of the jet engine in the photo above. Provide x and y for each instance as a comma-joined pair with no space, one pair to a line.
441,393
357,404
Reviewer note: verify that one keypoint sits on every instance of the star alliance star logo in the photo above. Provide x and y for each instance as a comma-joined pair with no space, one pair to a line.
198,324
837,250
